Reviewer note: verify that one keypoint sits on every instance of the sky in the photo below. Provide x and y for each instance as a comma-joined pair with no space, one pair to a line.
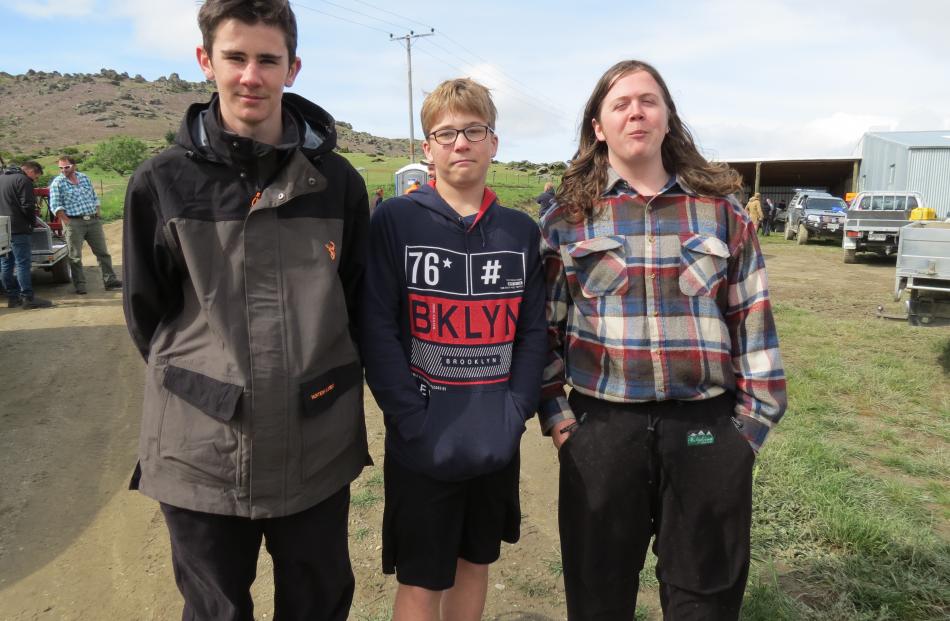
750,78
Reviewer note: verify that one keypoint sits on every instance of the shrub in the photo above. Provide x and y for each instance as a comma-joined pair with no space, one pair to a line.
122,154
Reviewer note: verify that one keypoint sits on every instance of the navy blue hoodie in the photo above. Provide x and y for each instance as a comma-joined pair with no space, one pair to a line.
453,332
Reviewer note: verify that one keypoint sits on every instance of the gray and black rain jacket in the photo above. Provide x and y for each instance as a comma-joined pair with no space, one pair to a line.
242,265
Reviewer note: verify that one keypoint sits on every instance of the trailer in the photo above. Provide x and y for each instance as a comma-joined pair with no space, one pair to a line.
923,270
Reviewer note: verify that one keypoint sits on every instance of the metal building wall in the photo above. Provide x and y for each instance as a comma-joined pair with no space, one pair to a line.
877,157
928,172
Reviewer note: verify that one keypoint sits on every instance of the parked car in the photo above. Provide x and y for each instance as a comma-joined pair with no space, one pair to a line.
875,220
816,216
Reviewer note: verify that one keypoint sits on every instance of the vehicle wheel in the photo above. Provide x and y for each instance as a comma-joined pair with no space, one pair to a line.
802,235
60,271
850,255
788,232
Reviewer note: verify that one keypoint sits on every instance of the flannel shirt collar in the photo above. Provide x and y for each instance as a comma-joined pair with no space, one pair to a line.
616,183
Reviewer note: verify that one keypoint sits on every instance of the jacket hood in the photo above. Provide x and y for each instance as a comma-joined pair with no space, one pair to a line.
306,125
427,196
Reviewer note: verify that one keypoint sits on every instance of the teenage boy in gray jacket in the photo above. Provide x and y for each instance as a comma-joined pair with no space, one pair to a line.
244,249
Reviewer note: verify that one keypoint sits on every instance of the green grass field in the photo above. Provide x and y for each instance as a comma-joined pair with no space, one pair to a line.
514,188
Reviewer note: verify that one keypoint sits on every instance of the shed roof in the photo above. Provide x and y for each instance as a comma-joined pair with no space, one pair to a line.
927,140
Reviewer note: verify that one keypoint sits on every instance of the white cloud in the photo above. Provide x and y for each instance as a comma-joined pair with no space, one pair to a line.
167,29
54,8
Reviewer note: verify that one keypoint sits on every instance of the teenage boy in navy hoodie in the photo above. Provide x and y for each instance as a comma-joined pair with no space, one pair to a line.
454,345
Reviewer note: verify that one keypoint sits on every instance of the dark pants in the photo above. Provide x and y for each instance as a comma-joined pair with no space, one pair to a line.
679,471
15,267
215,562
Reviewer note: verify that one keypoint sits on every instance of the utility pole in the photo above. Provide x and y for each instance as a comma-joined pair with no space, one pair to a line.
408,39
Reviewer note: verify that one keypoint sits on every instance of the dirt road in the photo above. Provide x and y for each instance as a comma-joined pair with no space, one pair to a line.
74,544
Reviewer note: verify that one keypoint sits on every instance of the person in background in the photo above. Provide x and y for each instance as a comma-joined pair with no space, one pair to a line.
659,319
244,249
544,199
754,209
73,199
378,198
454,344
17,202
413,186
768,212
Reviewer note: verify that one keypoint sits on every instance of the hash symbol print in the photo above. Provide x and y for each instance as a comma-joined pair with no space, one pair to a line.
491,272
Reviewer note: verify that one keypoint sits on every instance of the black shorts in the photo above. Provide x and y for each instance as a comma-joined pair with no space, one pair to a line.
429,524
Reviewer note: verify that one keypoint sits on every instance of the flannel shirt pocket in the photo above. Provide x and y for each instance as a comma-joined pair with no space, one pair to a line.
600,265
703,264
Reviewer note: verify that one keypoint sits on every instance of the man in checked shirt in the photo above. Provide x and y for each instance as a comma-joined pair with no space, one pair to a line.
73,199
659,319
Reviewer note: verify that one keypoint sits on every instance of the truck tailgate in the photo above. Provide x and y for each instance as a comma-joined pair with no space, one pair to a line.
925,251
876,220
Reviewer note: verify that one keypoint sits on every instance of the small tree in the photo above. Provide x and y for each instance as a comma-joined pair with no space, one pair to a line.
122,154
170,137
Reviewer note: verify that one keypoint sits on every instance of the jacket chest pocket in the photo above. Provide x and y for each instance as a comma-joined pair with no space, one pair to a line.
704,261
599,265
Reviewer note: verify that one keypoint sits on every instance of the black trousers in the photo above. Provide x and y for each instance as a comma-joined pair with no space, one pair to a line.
215,561
679,471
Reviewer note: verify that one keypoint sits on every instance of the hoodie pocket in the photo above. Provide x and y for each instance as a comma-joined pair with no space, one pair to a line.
703,264
198,432
467,434
600,265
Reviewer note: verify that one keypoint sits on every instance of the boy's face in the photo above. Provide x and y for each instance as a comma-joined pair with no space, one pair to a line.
462,164
249,64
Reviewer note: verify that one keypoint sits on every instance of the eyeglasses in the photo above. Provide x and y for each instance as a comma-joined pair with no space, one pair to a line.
474,133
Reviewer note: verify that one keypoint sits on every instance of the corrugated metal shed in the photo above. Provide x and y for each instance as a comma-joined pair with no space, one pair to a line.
927,139
911,161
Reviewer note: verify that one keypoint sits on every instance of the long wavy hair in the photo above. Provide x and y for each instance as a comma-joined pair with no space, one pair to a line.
585,178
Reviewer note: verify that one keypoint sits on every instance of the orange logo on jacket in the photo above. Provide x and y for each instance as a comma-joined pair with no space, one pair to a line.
331,248
322,393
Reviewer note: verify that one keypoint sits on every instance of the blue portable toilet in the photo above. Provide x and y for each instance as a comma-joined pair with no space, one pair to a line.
409,173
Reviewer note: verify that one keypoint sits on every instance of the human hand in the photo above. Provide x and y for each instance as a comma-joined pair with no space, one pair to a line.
562,431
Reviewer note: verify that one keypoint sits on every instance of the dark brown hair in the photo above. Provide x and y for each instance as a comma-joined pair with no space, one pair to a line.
67,158
586,177
34,166
270,12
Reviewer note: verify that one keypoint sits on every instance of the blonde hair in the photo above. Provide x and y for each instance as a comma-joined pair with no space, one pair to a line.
584,180
461,95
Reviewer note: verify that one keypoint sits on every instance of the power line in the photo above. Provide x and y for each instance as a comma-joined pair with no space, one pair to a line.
514,91
412,21
373,17
517,83
344,19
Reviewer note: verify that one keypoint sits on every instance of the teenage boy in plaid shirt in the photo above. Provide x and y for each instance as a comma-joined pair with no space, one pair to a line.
659,318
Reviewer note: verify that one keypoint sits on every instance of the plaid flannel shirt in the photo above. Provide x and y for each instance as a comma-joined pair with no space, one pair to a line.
660,298
77,200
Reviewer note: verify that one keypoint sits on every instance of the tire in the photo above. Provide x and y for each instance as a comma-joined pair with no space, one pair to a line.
802,236
788,232
850,255
60,271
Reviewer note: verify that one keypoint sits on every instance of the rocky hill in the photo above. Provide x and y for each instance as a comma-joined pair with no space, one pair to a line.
42,112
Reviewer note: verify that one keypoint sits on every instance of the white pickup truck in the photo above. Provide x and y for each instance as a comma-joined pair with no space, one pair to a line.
874,222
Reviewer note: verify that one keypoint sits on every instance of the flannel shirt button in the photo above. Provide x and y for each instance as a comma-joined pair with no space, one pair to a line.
656,313
652,240
652,275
